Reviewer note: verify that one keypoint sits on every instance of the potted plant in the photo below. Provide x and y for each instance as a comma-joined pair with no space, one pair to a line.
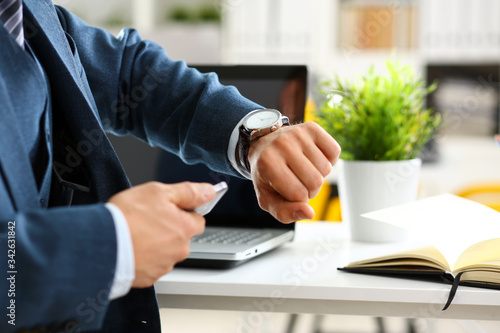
382,125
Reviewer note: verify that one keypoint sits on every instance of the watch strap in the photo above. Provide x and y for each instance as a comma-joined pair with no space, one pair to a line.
243,148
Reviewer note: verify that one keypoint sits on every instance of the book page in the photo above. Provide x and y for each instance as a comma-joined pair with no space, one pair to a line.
448,222
487,251
427,256
481,277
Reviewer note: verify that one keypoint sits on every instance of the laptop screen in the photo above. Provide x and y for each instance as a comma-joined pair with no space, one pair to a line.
279,87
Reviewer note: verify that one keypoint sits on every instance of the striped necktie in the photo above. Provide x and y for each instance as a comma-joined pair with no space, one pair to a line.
11,14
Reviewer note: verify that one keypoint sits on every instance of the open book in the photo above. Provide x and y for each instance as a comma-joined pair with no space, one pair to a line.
464,237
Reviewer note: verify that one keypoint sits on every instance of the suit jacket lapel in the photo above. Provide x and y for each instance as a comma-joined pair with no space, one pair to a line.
14,160
44,29
54,52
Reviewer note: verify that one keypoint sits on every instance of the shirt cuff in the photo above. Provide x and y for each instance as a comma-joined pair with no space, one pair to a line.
125,261
231,151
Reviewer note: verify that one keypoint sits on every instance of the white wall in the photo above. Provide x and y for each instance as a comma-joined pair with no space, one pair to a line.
196,44
98,11
306,32
448,31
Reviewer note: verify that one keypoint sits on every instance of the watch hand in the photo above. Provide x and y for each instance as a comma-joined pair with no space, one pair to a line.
263,119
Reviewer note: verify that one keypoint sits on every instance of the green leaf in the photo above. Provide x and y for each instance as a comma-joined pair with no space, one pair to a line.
381,116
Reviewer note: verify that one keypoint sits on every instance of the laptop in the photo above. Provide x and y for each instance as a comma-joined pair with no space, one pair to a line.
237,230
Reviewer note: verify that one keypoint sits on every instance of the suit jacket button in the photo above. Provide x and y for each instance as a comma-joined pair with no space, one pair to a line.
42,203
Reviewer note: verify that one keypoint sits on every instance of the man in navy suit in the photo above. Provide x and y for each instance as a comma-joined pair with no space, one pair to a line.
81,248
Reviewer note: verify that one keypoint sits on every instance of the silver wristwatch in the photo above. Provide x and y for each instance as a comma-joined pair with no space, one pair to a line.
255,125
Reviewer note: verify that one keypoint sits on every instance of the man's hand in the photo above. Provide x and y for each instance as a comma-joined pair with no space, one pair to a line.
288,168
161,225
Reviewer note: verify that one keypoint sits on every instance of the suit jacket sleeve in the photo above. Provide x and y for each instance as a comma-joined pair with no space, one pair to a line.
47,253
140,91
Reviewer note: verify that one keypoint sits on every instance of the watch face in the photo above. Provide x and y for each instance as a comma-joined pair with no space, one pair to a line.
262,119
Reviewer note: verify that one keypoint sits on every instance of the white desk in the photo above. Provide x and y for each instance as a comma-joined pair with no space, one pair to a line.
302,277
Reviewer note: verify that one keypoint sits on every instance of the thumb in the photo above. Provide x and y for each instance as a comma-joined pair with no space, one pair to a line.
188,195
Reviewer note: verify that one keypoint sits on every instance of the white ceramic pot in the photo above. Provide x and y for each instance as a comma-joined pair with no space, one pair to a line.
365,186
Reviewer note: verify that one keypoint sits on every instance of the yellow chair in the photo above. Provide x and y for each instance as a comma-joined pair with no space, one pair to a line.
309,110
326,204
487,194
320,202
333,212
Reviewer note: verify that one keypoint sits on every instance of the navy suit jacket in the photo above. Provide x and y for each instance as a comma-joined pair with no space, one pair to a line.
65,256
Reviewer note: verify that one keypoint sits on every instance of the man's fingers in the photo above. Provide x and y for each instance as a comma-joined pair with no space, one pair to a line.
325,142
319,160
282,209
285,182
300,174
189,195
193,223
288,168
308,174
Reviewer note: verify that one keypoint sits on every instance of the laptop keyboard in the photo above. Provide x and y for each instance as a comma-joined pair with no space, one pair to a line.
230,237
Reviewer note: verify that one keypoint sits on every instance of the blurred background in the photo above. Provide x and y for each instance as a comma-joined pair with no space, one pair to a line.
330,36
456,42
